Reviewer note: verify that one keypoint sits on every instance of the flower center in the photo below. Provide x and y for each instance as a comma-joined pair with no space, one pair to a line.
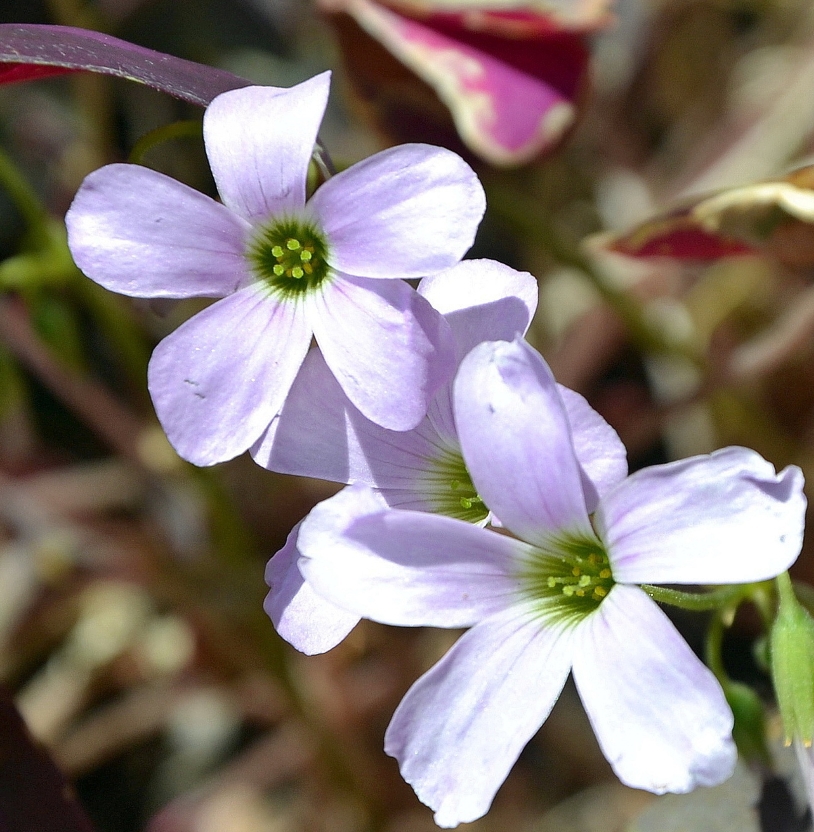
569,579
289,256
452,490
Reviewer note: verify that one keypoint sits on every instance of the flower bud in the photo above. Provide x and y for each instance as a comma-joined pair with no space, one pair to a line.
792,652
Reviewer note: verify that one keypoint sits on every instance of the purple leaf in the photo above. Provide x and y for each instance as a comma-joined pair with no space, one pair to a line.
34,793
32,51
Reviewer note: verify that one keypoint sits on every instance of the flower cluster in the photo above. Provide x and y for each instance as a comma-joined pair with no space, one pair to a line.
481,494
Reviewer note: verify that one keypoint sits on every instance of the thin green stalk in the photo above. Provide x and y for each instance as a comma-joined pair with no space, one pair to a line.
189,129
715,599
785,590
713,652
25,199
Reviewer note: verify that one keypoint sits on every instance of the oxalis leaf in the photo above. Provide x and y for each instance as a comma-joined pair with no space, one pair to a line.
30,51
34,793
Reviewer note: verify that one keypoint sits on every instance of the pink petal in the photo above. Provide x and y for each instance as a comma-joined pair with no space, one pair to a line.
140,233
300,616
717,519
460,728
409,211
511,98
516,442
217,381
406,568
259,141
659,715
388,348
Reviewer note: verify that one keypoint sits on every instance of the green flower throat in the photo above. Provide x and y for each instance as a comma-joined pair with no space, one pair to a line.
568,579
290,257
452,490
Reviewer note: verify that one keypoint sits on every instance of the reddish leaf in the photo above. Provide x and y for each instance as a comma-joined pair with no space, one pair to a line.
9,73
776,218
33,51
678,236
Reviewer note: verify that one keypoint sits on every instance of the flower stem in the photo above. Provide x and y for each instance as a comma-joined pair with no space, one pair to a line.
712,649
24,198
189,129
695,601
785,590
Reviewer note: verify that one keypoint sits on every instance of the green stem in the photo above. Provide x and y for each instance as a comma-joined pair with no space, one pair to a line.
785,590
695,601
190,129
713,649
24,198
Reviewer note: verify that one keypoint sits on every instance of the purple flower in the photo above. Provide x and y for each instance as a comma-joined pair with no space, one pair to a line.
285,269
319,433
563,598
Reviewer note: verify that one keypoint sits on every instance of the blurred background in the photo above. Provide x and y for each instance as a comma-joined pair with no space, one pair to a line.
621,146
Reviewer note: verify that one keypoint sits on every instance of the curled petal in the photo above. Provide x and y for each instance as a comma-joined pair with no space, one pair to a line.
722,518
140,233
259,141
409,211
597,445
659,714
482,300
516,442
388,348
405,568
460,728
217,381
300,616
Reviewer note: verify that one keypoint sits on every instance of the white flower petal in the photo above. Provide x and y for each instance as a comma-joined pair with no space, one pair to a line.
218,380
388,348
659,714
406,568
482,300
716,519
516,442
460,728
319,433
138,232
304,619
259,141
597,445
409,211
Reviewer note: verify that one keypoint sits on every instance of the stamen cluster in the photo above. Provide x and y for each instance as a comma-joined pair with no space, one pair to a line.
289,256
453,492
568,579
